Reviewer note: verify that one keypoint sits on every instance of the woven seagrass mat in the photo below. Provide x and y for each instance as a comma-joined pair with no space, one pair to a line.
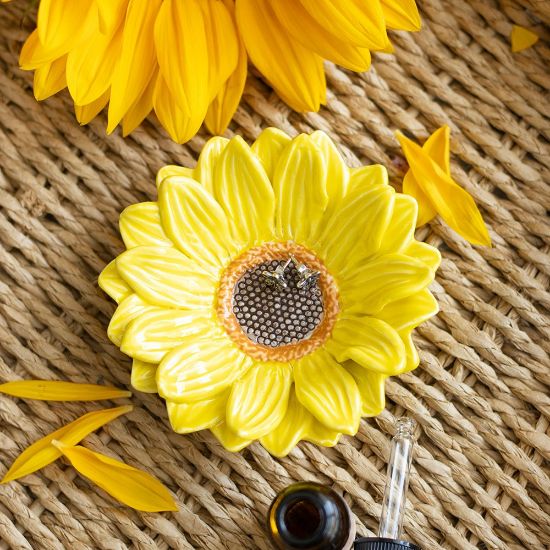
480,395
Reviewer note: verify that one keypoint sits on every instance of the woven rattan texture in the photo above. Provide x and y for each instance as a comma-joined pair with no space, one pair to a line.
480,395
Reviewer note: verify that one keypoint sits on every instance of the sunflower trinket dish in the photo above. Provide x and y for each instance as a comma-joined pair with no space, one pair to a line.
269,292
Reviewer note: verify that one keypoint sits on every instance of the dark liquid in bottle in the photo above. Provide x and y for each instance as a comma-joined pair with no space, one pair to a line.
302,519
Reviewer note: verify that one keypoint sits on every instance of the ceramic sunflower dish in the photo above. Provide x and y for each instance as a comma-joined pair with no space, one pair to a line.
269,292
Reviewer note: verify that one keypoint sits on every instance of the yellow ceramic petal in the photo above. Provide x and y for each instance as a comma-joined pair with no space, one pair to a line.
141,107
455,205
41,452
54,390
182,51
320,434
113,284
355,21
127,310
370,342
328,391
156,331
50,78
269,147
208,161
59,21
401,15
387,278
230,440
201,415
140,225
128,485
200,369
426,210
144,376
156,273
295,72
300,185
371,387
425,253
194,221
90,66
522,38
242,187
366,177
258,401
172,170
306,29
400,231
294,426
356,228
86,113
137,60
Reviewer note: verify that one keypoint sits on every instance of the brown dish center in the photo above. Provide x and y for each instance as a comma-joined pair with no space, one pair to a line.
270,322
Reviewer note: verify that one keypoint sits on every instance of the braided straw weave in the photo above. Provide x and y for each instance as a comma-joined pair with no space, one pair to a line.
480,396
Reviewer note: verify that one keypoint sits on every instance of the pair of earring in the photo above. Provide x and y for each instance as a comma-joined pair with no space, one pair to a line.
307,276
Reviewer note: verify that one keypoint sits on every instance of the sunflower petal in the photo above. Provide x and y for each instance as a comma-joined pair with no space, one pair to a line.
320,434
140,226
156,331
113,284
522,38
387,278
401,15
86,113
328,391
50,79
127,310
155,274
258,401
370,342
131,486
41,453
366,177
200,369
400,231
269,147
425,253
242,187
141,107
295,72
354,21
136,62
229,439
172,170
144,376
300,185
426,211
371,387
53,390
201,415
194,221
455,205
208,161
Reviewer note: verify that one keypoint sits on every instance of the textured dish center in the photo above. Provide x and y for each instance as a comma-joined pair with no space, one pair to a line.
273,316
271,321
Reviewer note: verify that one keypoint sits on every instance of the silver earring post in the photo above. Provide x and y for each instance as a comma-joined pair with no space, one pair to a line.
276,278
308,277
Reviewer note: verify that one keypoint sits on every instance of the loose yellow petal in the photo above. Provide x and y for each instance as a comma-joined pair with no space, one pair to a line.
522,38
229,439
300,185
371,387
426,210
144,376
295,72
140,225
155,273
113,284
269,147
41,453
401,15
208,161
141,107
328,391
128,485
50,78
137,60
455,205
259,400
127,310
53,390
201,415
242,187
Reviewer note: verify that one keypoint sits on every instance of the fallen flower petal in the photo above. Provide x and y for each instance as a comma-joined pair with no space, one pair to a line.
522,38
127,484
454,204
41,453
53,390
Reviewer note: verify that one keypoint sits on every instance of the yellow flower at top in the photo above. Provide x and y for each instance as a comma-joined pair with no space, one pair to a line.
269,292
187,59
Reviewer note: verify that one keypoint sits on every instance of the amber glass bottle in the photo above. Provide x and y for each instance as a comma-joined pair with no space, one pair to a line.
310,516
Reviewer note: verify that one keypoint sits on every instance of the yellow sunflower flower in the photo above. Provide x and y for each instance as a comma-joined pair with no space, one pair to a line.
270,291
187,59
